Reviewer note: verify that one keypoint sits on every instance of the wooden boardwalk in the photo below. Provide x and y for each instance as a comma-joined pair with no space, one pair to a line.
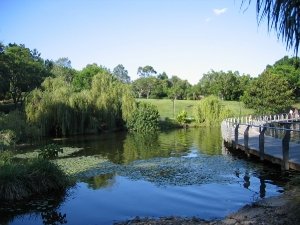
252,140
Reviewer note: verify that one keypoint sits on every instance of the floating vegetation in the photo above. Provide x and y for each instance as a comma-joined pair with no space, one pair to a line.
179,171
76,165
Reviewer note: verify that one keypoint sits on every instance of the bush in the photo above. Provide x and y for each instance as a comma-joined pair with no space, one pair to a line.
7,139
50,151
15,123
144,119
182,118
210,111
21,181
5,157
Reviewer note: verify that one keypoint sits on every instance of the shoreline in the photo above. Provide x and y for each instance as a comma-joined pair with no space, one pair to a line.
283,209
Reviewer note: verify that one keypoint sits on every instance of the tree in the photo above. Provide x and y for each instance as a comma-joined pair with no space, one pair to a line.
146,71
121,74
21,70
83,79
144,86
227,85
268,94
62,68
210,111
179,88
284,17
290,69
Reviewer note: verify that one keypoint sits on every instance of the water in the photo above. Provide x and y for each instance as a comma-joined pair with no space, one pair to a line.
179,173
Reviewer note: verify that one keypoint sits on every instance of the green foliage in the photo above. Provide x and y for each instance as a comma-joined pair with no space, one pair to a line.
121,74
21,70
268,94
288,68
182,117
50,151
7,139
14,129
227,85
178,88
210,111
146,71
59,109
5,157
83,79
283,17
37,176
144,119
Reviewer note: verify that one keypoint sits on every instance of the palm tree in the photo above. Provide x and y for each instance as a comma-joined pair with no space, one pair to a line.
284,17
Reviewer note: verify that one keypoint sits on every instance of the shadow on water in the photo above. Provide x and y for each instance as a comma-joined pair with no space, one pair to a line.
47,209
187,171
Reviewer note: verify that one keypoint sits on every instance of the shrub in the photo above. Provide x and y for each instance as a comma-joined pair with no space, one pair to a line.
7,139
38,176
210,111
5,157
50,151
144,119
182,118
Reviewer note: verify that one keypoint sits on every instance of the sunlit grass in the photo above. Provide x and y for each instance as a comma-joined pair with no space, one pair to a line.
165,107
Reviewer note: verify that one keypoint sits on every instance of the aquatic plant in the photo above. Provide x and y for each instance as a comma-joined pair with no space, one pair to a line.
34,177
50,151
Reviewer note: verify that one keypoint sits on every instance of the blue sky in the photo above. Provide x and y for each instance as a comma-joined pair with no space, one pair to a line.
186,38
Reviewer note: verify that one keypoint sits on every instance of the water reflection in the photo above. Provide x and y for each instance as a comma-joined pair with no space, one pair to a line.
100,181
183,170
208,139
46,208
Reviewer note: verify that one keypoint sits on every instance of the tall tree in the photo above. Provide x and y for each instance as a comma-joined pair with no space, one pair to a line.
146,71
268,94
62,68
83,79
121,74
21,70
284,17
290,69
179,88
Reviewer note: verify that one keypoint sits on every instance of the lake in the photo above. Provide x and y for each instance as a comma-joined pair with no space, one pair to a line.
178,173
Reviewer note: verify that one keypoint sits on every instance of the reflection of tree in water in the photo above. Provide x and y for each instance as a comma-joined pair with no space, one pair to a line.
178,141
208,140
147,146
100,181
52,217
47,207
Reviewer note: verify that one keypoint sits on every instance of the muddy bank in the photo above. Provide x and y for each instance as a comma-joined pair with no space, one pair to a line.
280,210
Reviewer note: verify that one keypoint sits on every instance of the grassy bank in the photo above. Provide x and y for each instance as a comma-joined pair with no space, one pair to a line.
29,178
165,107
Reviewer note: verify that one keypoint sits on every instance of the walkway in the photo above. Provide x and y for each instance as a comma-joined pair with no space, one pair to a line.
255,142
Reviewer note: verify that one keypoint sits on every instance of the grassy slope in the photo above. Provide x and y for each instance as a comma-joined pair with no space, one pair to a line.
165,107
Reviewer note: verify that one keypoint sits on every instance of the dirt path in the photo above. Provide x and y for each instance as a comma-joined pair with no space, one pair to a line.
281,210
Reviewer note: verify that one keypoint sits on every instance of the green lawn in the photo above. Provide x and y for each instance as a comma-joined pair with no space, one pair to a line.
165,107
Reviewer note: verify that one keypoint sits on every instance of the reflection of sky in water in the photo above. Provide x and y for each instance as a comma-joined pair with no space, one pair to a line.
198,183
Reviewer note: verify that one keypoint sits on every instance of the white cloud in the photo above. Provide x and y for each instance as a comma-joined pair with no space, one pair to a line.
218,12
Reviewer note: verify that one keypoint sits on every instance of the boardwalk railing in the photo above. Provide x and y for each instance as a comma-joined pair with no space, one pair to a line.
249,134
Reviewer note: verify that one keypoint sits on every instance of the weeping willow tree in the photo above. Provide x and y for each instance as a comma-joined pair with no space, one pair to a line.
58,110
210,111
283,16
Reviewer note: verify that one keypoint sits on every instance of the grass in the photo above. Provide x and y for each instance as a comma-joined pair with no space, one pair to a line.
165,107
34,177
